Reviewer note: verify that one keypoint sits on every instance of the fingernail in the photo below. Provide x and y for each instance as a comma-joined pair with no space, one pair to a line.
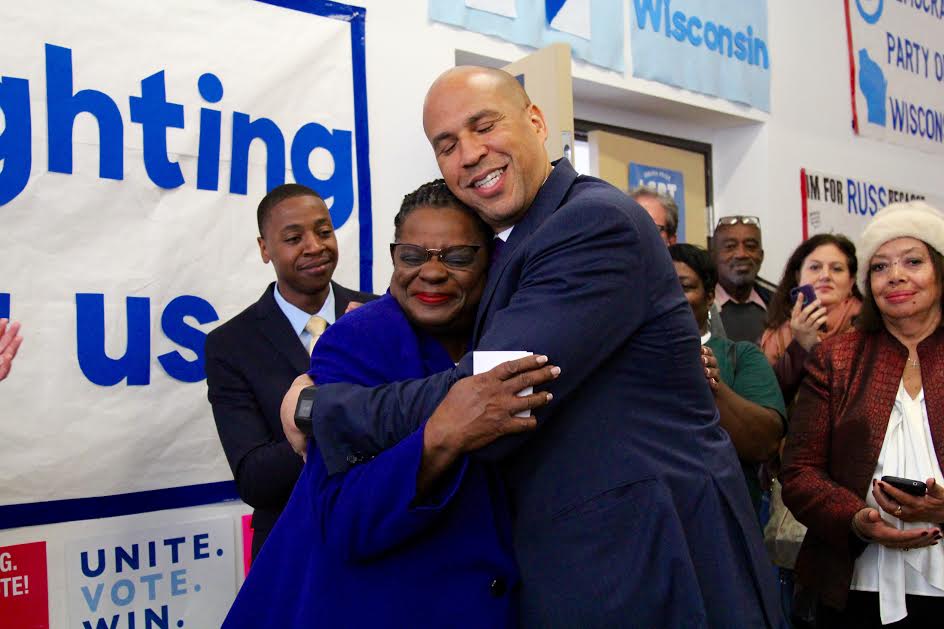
550,396
542,359
555,371
704,359
707,372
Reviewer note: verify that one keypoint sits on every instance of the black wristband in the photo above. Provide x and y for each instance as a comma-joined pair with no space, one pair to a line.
306,403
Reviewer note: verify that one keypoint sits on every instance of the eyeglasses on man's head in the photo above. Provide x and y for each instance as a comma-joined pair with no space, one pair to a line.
738,219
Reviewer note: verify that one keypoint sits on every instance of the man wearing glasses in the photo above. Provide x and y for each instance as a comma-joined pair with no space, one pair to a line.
738,253
663,210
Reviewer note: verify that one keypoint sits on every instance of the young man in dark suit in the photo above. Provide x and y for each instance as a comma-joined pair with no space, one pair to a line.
630,508
252,359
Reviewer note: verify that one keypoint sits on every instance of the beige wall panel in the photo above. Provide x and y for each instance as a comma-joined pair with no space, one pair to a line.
610,155
548,82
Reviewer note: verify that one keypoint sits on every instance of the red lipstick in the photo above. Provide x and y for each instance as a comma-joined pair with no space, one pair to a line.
432,299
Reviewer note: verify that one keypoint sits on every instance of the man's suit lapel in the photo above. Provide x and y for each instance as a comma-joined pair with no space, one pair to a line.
342,297
549,198
275,327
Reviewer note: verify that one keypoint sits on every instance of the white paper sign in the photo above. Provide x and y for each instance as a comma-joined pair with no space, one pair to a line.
897,64
180,575
505,8
134,151
837,204
485,360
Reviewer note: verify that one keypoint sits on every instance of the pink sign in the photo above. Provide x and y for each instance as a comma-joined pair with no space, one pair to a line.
247,543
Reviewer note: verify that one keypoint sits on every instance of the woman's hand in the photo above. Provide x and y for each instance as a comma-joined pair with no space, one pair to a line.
868,524
908,508
806,320
9,342
712,373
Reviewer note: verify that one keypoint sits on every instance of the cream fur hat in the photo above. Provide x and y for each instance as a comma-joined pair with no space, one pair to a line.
915,219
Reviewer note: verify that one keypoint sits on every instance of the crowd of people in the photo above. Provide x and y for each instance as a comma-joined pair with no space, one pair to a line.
674,398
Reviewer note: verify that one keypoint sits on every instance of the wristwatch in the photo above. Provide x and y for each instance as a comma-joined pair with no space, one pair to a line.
306,402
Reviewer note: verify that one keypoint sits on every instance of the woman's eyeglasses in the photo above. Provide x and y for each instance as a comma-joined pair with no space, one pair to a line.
457,257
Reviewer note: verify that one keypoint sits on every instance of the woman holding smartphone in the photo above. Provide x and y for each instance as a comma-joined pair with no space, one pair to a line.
824,267
871,406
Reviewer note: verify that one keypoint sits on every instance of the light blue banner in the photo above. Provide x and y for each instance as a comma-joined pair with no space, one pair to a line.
665,180
531,27
716,47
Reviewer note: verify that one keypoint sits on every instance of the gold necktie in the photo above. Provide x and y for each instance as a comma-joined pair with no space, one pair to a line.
316,327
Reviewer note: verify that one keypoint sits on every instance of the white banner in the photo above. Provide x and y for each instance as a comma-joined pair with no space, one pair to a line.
177,576
136,140
838,204
896,55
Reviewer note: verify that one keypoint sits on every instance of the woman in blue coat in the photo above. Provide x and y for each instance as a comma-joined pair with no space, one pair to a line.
363,548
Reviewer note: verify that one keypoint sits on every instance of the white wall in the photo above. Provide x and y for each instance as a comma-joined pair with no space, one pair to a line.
757,157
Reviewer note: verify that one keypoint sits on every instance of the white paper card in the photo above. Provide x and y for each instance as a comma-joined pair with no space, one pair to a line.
484,360
506,8
574,18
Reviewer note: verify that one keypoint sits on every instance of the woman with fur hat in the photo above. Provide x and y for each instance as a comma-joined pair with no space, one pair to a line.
872,407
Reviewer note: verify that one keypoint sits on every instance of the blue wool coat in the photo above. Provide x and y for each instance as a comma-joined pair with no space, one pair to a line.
357,549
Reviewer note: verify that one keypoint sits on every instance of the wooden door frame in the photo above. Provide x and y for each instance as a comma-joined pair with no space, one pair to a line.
583,127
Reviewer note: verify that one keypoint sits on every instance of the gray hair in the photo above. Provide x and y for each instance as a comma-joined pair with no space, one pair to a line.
667,202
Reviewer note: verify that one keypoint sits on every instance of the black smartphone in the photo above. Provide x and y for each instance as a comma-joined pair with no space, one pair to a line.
808,294
907,485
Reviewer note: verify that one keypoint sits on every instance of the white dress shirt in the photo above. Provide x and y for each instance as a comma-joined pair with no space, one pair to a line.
298,318
907,452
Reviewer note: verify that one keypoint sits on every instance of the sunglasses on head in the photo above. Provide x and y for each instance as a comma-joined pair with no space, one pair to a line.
734,220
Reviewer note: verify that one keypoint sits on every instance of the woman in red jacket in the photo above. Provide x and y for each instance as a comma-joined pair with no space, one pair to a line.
871,406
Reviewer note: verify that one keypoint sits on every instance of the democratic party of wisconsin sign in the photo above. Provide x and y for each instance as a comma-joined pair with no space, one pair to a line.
896,60
715,47
136,140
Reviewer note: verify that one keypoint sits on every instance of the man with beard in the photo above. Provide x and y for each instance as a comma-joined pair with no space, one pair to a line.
738,253
252,359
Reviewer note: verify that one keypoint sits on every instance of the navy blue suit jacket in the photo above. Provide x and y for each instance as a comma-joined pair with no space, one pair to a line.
630,509
359,549
251,361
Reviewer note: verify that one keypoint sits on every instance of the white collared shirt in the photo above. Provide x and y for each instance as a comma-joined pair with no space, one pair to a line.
298,318
907,452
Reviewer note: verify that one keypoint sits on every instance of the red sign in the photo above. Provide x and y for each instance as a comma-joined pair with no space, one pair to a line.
24,591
